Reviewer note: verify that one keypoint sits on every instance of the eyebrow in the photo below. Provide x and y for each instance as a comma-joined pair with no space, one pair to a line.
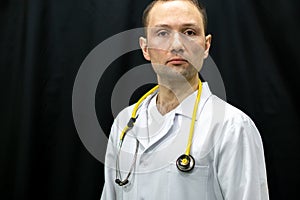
184,25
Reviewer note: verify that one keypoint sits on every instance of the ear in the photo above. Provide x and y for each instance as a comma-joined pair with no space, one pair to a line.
144,47
207,45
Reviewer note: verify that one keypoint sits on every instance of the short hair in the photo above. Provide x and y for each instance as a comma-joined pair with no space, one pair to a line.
198,5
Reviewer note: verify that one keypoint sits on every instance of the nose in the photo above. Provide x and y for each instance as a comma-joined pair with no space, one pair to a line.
177,46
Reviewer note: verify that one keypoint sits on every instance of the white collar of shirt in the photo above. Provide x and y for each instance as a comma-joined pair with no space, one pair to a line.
185,108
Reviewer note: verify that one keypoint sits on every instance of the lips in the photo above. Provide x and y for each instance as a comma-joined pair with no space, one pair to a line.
177,61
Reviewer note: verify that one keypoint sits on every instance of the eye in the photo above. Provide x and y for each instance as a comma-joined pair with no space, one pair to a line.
162,33
190,32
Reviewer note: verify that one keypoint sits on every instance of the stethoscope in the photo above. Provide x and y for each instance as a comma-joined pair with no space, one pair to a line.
184,163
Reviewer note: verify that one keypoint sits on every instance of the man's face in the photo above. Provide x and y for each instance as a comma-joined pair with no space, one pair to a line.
176,44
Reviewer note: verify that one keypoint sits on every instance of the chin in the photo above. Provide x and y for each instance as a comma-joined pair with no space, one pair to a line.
180,76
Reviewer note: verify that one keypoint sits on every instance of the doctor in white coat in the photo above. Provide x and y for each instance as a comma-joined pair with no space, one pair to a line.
181,141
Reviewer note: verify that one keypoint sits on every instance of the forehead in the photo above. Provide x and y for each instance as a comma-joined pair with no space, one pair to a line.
174,13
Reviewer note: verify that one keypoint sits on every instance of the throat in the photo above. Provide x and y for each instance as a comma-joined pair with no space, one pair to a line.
165,107
172,93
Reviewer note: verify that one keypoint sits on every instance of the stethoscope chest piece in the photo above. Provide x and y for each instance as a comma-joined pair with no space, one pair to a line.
185,163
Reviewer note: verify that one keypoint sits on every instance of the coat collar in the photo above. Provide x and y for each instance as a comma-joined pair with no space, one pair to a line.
186,107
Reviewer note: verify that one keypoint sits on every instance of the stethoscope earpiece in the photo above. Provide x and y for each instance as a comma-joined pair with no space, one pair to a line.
185,163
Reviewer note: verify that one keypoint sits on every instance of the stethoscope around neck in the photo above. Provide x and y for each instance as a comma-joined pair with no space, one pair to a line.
184,163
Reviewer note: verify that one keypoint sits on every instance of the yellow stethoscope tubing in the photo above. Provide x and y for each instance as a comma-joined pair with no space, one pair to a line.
133,115
185,161
191,133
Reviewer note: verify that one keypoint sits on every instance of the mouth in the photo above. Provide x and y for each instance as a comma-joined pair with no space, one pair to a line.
177,61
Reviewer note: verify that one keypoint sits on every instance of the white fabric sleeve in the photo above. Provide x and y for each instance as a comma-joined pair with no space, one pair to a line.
241,164
109,192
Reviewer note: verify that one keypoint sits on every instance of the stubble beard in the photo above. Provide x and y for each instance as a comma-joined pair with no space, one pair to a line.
171,74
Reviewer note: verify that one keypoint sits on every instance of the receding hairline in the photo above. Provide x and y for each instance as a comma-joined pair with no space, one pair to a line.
195,3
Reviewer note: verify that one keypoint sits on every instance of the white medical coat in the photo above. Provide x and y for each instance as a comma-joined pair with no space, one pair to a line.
227,148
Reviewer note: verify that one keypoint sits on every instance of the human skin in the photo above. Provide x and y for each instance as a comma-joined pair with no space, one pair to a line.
176,46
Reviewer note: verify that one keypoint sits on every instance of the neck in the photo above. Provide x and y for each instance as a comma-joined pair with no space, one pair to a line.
173,92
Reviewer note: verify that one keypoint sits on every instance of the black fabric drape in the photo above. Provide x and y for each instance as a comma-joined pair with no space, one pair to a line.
43,43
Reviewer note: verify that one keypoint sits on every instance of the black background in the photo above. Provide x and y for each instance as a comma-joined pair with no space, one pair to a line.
43,43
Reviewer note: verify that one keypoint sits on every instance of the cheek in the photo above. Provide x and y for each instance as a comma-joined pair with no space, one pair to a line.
197,51
197,46
157,54
159,44
196,54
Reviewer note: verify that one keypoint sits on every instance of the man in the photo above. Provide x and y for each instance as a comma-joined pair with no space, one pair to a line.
181,141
